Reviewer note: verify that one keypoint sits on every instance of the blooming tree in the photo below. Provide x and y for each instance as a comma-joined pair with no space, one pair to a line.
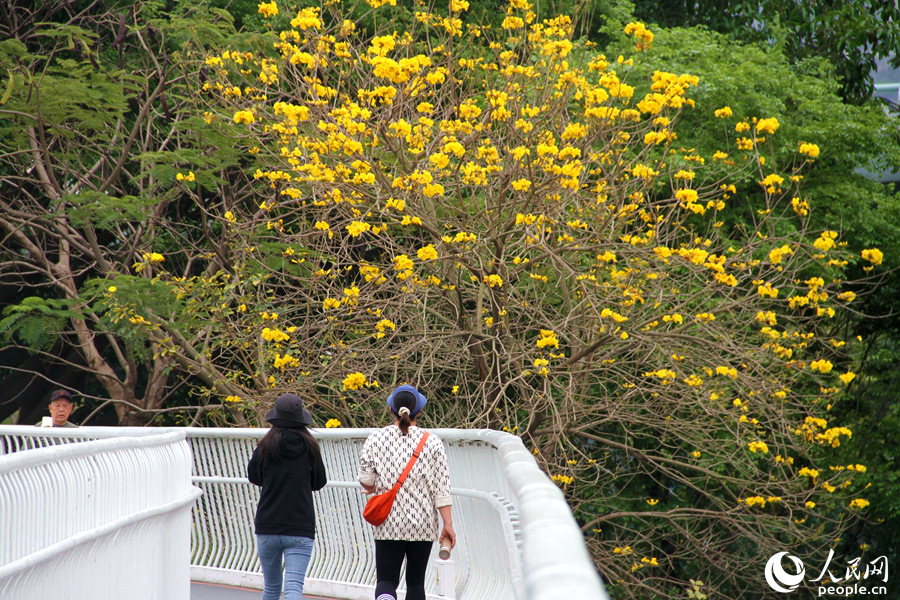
507,221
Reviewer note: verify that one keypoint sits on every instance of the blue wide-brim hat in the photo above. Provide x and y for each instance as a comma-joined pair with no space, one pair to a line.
421,400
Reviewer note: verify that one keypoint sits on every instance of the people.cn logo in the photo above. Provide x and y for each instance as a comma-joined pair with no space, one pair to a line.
778,579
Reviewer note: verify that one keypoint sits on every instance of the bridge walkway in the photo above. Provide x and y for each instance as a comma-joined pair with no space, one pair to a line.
212,591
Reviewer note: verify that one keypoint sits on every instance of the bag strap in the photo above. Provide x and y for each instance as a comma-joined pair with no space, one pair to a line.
412,461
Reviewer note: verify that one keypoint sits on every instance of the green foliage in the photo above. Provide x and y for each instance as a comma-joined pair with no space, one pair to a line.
848,34
37,321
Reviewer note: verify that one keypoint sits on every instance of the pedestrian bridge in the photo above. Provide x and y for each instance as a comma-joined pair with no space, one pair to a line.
104,513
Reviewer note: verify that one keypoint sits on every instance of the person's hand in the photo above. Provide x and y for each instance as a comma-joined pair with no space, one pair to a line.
450,534
367,489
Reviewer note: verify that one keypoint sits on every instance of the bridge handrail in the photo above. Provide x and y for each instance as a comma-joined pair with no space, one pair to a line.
493,474
74,518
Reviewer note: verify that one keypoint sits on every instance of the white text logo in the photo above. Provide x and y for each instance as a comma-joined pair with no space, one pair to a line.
830,581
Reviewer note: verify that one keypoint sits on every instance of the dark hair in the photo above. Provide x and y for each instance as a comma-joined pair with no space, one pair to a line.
270,448
404,399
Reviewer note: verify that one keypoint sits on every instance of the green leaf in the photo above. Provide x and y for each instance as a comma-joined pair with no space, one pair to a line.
9,89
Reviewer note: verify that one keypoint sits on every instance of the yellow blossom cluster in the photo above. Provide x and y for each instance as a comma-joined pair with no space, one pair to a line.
453,202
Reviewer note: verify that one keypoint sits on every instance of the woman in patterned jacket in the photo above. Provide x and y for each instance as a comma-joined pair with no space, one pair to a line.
412,526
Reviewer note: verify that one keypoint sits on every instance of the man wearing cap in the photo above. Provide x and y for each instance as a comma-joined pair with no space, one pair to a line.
61,406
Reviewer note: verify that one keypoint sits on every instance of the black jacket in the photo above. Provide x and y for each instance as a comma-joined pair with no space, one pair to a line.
285,503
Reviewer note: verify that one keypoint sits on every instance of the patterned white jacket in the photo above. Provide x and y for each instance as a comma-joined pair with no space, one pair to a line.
414,516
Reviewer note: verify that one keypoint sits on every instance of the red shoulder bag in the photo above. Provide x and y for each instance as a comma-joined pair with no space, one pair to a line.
379,506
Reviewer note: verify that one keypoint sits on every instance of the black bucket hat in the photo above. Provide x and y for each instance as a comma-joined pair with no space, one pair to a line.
289,412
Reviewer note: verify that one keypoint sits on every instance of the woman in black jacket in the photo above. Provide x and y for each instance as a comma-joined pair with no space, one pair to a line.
288,465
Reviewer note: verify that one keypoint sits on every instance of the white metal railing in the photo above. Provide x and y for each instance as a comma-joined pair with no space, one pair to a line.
517,538
104,520
889,88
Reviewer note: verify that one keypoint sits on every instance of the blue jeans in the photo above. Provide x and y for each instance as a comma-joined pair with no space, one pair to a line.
296,551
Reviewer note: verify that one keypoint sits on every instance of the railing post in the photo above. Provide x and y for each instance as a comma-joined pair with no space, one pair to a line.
446,578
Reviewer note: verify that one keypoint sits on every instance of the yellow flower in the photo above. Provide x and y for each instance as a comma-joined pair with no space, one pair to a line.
859,503
521,185
183,177
285,361
427,253
723,113
643,36
801,207
403,263
493,280
356,228
810,150
332,423
563,479
354,381
767,125
873,255
822,365
111,289
268,9
433,189
154,257
352,295
382,326
274,335
847,377
547,338
754,501
397,204
652,501
232,399
758,447
777,254
244,116
767,290
694,381
825,242
727,371
229,216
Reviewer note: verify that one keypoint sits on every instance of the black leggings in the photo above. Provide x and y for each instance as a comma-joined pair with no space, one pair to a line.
388,560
